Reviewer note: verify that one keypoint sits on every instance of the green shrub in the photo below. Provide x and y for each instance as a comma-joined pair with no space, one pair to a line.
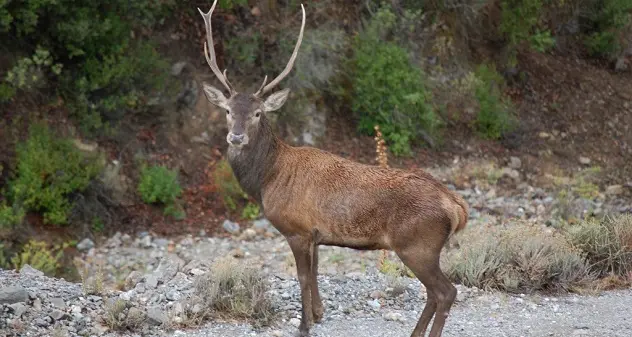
159,184
520,22
606,242
107,70
388,89
38,255
609,22
494,117
49,169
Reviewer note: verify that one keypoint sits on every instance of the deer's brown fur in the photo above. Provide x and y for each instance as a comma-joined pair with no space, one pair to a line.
314,198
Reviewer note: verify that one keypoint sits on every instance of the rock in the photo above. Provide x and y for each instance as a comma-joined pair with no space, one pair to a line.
374,304
376,294
157,316
584,160
30,271
231,227
248,234
621,64
393,316
168,268
509,172
197,272
58,302
151,281
18,309
173,295
145,241
13,294
515,163
295,322
133,279
85,244
277,333
614,190
176,68
57,314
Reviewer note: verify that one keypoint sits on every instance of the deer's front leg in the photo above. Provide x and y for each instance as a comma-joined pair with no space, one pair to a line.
302,248
317,303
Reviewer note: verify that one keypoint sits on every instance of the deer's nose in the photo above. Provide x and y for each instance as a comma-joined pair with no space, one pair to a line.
236,139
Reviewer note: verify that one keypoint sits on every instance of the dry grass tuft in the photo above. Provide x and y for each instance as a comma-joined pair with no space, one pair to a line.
118,316
517,258
607,244
90,284
235,290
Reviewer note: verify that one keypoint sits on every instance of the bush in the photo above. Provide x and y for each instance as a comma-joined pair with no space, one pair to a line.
88,50
519,258
521,22
609,22
38,255
494,116
233,289
388,89
159,184
606,242
49,170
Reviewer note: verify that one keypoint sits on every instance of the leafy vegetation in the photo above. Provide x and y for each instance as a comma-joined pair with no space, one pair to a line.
159,184
388,89
227,186
494,117
49,169
38,255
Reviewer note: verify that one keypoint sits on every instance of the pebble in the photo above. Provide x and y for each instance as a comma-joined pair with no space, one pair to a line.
85,244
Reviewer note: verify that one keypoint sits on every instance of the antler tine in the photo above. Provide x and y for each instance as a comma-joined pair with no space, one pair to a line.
265,79
209,49
290,64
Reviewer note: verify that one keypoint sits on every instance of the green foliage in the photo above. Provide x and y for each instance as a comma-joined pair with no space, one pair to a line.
388,89
49,169
251,211
227,186
38,255
609,20
229,4
159,184
520,19
494,117
107,70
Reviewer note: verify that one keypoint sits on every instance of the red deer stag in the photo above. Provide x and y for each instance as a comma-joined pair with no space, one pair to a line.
317,198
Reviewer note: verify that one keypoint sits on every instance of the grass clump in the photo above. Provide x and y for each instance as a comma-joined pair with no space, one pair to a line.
159,184
517,258
607,243
388,89
234,290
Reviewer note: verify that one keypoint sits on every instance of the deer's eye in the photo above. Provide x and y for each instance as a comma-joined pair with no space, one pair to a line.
257,114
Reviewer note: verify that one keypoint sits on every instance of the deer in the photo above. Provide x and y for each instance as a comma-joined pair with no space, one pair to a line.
316,198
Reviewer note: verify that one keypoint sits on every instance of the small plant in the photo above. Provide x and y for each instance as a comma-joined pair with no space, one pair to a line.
38,255
159,184
114,313
91,284
606,242
494,117
235,290
251,211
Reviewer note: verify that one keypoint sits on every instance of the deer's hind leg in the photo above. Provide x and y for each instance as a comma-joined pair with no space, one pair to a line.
317,303
424,262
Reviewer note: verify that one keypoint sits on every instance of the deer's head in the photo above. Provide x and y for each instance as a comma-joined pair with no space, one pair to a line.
244,110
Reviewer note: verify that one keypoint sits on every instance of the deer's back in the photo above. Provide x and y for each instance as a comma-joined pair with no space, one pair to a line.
362,205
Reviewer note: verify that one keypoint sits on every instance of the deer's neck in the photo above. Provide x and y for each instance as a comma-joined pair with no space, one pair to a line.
253,163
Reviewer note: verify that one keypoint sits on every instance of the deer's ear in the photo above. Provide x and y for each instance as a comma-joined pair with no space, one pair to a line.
215,96
276,100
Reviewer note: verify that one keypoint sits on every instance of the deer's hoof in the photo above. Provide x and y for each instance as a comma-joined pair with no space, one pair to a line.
302,333
318,314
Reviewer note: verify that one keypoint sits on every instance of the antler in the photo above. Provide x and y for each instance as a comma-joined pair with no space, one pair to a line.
265,88
209,50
